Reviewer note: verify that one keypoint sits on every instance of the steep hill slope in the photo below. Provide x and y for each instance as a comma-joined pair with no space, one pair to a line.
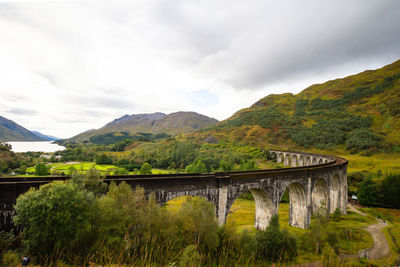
11,131
358,113
154,123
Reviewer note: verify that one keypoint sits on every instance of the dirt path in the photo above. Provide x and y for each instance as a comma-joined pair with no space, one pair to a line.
381,246
379,249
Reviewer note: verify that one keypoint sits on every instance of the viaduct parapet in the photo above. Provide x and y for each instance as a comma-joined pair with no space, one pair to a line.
314,182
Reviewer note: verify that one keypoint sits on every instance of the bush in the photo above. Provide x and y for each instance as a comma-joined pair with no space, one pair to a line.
102,159
274,245
367,194
10,258
91,181
41,169
197,223
55,216
190,257
145,169
362,139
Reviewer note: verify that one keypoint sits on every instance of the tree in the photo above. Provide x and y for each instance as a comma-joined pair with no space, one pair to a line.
362,139
225,165
41,169
274,244
367,194
389,190
55,216
5,146
145,169
102,159
91,181
197,223
197,166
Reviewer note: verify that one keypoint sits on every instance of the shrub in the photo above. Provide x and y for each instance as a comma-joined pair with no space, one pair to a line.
190,257
41,169
10,258
145,169
55,216
197,223
273,244
367,194
362,139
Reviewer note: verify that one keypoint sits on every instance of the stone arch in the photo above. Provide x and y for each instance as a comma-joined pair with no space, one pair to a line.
308,161
294,161
326,161
264,208
287,159
319,196
298,213
314,161
334,195
301,160
321,161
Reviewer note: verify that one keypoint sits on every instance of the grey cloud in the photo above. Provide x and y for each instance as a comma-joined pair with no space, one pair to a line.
100,101
250,47
22,111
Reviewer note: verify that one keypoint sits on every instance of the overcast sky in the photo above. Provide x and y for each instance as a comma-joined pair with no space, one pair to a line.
69,66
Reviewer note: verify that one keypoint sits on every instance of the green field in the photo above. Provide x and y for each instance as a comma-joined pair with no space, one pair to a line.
84,167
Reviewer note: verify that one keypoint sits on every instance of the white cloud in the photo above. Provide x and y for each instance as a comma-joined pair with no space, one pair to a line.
80,64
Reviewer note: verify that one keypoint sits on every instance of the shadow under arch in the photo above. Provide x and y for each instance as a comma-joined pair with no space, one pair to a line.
308,161
334,193
319,196
314,161
301,161
288,160
294,161
297,206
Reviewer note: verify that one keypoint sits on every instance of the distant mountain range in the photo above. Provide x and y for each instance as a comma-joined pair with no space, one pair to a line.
154,123
11,131
45,137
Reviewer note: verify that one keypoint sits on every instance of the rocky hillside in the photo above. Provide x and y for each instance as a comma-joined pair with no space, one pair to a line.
357,113
154,123
11,131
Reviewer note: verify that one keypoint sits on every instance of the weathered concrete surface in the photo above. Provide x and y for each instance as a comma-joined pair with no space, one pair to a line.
309,188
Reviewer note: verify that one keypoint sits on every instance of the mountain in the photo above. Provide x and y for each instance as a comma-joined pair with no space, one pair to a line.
11,131
358,113
45,137
154,123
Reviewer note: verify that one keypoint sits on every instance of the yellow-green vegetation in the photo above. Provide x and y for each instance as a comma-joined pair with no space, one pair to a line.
349,228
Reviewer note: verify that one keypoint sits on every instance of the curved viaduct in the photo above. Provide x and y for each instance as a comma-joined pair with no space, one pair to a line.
313,180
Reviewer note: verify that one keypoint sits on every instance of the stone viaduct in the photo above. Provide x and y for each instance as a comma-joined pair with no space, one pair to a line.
314,182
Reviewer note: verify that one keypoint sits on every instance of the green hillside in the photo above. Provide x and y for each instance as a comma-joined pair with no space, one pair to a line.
359,113
11,131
